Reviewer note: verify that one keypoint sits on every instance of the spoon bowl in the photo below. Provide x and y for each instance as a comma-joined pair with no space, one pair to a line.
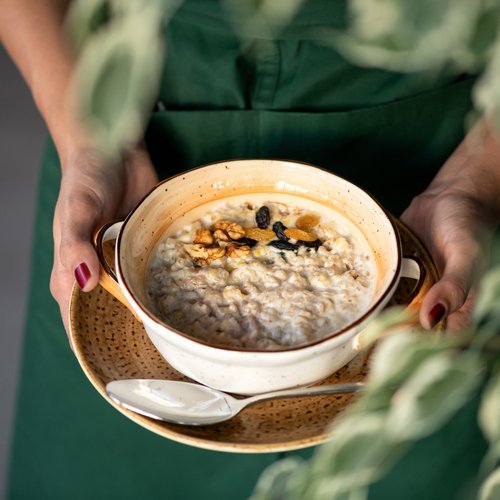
194,404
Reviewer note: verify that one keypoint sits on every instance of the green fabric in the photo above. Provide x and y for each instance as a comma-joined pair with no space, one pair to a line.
288,98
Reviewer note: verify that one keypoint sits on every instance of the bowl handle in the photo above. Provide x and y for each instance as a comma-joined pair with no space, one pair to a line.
107,277
412,267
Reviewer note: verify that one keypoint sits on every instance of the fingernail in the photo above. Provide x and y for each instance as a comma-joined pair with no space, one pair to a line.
437,314
82,275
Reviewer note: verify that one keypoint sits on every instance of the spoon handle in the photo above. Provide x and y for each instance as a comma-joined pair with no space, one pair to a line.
306,391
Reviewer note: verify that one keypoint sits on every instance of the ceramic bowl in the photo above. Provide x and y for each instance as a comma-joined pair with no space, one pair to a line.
251,371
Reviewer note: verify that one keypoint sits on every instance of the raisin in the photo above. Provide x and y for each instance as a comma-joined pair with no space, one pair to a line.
284,245
279,229
248,241
310,244
263,217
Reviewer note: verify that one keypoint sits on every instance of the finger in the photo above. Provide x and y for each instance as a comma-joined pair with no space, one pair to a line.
79,214
450,292
61,281
61,285
459,320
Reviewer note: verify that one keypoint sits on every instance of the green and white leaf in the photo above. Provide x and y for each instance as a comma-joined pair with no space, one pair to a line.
490,490
489,415
487,301
486,92
360,451
274,482
390,321
117,79
404,35
86,17
432,394
400,355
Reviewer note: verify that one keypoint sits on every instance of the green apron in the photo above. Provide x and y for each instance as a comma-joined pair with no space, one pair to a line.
221,97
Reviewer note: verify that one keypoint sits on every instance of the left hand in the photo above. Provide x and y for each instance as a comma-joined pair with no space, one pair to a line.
456,217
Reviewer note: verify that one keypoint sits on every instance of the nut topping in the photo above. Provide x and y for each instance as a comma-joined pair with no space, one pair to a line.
237,251
233,229
202,253
215,253
221,235
196,251
204,237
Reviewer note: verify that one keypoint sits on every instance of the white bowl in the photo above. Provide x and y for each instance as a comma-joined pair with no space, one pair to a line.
237,370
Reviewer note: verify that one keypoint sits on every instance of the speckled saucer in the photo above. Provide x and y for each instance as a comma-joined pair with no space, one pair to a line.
111,344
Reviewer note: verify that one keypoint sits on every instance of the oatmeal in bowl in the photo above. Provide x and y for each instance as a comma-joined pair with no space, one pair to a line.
256,275
262,274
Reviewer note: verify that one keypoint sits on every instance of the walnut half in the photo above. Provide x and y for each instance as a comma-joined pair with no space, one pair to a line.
237,251
233,229
203,254
196,250
204,237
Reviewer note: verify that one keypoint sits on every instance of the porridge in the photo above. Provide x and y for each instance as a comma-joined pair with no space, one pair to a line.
261,274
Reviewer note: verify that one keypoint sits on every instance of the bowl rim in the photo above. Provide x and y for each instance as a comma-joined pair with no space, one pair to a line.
337,333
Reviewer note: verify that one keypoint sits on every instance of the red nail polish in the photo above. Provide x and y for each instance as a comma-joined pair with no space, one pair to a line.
437,314
82,274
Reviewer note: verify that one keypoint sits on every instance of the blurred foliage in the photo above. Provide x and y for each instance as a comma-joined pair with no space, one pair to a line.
120,58
462,36
491,488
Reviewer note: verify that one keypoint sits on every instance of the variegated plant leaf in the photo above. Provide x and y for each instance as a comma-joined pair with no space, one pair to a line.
490,489
404,35
117,79
489,415
274,482
398,356
391,321
86,17
487,301
324,492
486,93
432,394
481,45
360,451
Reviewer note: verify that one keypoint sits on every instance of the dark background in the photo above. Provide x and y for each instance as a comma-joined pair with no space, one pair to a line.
21,138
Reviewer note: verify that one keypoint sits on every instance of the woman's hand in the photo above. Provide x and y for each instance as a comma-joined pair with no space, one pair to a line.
92,193
455,217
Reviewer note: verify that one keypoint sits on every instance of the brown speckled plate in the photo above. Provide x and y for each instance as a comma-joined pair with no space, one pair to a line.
111,344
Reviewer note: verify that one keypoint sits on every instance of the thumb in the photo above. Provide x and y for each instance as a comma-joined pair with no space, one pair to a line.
450,292
76,252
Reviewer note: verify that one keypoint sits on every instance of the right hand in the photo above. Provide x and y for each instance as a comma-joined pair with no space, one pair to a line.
92,193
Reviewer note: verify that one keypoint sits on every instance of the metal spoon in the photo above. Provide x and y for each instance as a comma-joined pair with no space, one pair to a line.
193,404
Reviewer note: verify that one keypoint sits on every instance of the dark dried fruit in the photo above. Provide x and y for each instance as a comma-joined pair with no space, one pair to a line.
284,245
279,230
263,217
310,244
248,241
